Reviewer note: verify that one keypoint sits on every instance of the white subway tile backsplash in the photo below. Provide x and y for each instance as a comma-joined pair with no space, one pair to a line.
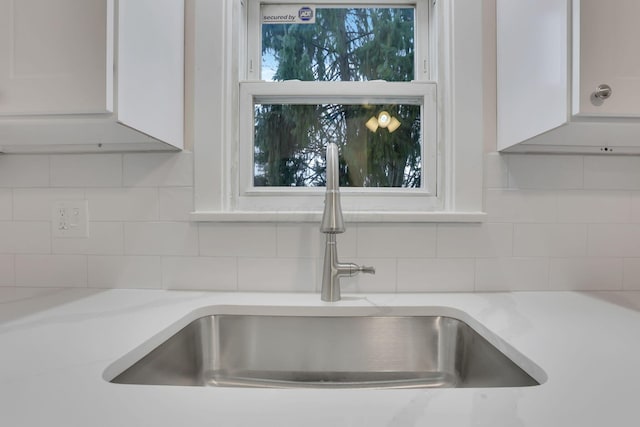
521,205
7,271
554,222
436,275
396,240
158,169
131,272
635,206
24,171
19,237
86,170
242,240
555,240
496,171
586,274
105,238
614,240
6,204
277,274
545,172
589,206
176,203
160,238
474,240
36,204
631,274
200,273
300,240
58,271
305,240
123,204
612,172
512,274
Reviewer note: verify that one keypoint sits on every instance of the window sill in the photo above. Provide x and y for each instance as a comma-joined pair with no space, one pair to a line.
353,217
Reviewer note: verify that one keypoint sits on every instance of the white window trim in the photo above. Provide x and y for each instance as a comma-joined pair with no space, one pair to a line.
460,124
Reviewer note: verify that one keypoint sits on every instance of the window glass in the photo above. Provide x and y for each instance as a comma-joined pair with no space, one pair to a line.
380,145
342,44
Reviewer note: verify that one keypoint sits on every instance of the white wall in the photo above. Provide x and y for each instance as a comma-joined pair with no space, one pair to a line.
554,223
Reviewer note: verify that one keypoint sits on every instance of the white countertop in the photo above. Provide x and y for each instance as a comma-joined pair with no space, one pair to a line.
56,345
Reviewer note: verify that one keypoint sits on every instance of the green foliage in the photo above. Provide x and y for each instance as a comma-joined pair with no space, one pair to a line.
344,45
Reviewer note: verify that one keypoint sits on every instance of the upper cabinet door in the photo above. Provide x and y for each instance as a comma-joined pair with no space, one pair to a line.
606,37
532,79
150,68
568,76
91,75
53,56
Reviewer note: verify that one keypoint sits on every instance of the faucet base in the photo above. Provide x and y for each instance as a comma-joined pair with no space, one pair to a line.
333,269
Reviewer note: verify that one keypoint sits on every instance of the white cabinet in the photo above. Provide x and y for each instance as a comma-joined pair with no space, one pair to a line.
91,75
54,56
568,76
606,40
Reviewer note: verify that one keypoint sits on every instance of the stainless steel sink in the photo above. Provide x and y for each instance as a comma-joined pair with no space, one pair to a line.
334,348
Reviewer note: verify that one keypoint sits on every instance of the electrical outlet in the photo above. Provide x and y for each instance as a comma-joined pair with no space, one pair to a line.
70,219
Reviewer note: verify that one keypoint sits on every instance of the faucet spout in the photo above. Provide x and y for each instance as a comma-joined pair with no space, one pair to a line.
332,224
332,221
333,270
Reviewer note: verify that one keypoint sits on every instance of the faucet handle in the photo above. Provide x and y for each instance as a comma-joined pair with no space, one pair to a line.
365,269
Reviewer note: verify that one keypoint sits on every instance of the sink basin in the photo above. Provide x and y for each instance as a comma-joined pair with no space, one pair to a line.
330,347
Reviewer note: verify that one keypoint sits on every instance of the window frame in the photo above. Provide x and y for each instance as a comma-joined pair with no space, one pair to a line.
458,73
250,197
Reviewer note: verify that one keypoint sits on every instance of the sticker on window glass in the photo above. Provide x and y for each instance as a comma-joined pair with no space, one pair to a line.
288,14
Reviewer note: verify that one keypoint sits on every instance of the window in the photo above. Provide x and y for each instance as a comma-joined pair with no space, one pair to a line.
336,43
297,167
336,72
373,76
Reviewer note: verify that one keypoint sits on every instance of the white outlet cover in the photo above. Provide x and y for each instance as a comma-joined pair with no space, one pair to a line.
70,219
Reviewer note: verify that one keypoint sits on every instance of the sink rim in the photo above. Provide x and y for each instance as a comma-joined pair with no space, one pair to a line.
134,355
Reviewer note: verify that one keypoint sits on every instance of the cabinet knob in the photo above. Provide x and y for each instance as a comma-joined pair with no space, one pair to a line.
603,92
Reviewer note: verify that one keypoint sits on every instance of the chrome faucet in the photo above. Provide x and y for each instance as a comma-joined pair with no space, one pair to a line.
332,224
